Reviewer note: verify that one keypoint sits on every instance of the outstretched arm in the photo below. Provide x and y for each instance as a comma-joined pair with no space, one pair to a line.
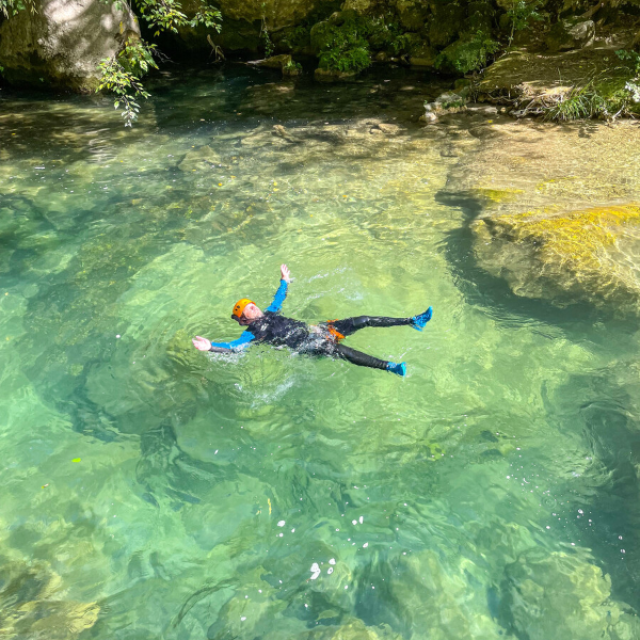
281,293
202,344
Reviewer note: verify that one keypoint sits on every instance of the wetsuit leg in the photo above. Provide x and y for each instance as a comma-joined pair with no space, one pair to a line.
350,325
359,358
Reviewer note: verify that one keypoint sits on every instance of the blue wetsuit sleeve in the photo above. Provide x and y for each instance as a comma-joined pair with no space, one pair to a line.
278,299
235,345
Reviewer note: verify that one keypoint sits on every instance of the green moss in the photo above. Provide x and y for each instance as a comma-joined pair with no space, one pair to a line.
447,22
571,239
470,53
498,196
342,44
566,257
297,38
292,68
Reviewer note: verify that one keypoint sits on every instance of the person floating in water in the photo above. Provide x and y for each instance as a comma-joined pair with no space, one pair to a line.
323,339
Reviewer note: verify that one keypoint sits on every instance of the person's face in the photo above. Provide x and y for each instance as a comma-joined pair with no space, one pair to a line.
250,313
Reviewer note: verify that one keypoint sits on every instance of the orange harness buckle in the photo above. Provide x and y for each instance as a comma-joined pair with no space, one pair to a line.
333,331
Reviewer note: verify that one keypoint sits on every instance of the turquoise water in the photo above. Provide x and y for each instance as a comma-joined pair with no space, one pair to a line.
151,491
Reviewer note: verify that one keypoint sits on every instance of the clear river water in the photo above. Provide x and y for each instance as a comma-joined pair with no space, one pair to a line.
152,491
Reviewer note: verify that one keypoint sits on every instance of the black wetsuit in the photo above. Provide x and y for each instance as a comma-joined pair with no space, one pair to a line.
322,340
298,336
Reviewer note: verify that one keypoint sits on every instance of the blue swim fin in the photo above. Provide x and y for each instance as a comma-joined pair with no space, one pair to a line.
418,322
398,369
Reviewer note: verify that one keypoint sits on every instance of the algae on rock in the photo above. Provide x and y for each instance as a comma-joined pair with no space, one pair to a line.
567,257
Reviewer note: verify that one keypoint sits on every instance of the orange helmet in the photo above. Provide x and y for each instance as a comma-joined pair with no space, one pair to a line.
238,308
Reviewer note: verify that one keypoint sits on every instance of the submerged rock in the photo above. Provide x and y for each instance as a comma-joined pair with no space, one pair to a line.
433,594
354,630
329,75
563,596
199,159
387,128
62,42
32,607
566,257
446,103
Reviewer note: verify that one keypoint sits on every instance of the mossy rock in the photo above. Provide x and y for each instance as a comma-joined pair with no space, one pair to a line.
480,17
292,69
446,23
413,15
496,196
522,76
423,56
572,33
565,257
321,33
275,62
295,39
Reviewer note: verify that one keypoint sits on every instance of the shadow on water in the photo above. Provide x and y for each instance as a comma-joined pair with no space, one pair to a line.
603,406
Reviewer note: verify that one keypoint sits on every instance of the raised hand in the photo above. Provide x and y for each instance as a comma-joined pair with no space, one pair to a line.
285,273
201,344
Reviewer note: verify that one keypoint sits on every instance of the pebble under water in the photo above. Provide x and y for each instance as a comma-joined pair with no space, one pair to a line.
152,491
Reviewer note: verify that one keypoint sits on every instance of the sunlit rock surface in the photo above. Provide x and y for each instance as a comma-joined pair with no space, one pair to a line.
62,42
586,255
549,220
526,77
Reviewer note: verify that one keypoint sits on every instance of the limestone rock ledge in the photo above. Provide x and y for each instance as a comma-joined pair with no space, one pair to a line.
566,257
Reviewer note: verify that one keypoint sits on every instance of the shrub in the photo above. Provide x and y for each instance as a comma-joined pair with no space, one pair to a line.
342,46
470,53
521,13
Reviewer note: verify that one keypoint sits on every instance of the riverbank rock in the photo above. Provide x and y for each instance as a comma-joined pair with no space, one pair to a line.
566,257
572,33
528,81
284,62
62,43
242,23
274,62
423,56
446,103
